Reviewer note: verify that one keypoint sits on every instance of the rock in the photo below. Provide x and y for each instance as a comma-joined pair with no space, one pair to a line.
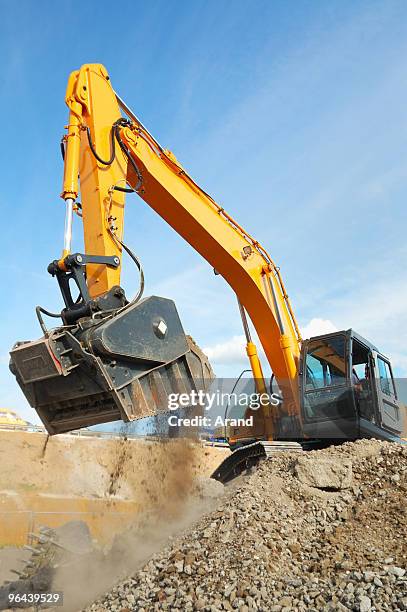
365,604
295,547
208,487
295,534
200,604
323,472
228,589
396,571
285,601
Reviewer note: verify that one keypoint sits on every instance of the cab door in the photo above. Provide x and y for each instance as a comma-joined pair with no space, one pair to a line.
328,404
389,407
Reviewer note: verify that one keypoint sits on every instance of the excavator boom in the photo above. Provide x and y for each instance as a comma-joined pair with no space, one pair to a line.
108,153
137,160
118,359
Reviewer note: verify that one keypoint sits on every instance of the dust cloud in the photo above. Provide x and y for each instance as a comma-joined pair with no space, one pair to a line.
174,499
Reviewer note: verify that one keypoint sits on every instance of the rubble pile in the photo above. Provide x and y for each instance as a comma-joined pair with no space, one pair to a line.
324,530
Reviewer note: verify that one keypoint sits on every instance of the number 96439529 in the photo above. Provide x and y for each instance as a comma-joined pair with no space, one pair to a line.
44,599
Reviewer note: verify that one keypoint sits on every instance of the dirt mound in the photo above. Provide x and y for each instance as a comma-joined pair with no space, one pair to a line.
278,541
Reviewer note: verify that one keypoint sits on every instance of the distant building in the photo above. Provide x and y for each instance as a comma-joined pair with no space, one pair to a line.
8,418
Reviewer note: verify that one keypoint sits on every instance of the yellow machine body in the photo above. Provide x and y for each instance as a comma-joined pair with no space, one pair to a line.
168,189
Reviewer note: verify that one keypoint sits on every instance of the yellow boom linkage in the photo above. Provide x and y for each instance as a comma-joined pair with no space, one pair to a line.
158,178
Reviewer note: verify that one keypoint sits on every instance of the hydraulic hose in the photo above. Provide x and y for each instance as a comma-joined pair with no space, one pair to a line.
112,145
40,310
115,135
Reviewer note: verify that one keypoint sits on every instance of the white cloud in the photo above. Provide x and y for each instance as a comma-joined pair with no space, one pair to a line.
317,327
206,304
376,309
232,351
399,361
373,304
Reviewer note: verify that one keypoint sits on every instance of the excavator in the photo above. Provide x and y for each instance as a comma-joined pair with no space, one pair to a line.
112,358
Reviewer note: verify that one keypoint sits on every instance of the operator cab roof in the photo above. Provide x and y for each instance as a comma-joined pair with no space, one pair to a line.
350,333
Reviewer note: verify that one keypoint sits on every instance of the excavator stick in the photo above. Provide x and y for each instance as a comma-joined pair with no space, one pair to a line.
119,366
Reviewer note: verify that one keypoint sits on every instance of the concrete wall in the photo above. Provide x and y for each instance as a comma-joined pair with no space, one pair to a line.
107,482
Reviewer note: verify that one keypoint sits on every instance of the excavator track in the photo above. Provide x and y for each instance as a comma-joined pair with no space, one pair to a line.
248,456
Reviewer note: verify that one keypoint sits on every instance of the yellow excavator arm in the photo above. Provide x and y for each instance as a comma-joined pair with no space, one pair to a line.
116,359
109,154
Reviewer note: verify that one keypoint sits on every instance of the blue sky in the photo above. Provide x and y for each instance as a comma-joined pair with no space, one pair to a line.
292,114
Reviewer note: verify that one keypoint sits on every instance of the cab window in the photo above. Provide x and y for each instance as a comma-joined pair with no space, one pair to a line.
386,378
325,363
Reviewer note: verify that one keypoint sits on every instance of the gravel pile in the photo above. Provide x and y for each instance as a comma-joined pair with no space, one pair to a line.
321,531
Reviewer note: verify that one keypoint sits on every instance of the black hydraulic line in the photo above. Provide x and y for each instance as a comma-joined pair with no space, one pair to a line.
38,311
140,269
136,260
140,292
125,123
115,135
124,189
271,383
112,144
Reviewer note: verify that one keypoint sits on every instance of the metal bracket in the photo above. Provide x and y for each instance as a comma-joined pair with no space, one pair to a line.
78,259
75,270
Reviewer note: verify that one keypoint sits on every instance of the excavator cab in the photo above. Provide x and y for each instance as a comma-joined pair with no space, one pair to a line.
348,389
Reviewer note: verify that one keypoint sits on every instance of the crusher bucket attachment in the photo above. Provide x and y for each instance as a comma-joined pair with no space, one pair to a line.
120,364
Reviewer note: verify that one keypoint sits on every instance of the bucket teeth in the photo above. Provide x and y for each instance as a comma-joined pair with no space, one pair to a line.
42,538
55,543
30,548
